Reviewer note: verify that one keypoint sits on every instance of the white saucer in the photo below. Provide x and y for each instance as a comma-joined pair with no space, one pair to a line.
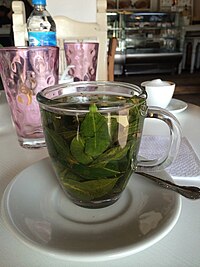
176,106
36,210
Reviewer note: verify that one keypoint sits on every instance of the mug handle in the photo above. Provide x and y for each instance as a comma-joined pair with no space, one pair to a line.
145,165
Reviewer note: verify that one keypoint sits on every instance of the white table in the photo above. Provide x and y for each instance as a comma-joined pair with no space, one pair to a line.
180,248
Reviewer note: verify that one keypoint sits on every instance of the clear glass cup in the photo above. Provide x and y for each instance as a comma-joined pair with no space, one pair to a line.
93,132
83,56
24,72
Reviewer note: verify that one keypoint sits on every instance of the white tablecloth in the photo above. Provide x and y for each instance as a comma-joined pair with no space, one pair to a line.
180,248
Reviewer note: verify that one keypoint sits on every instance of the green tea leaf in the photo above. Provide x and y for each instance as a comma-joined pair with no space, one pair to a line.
90,190
58,144
115,153
138,108
134,148
77,149
68,175
68,135
90,173
94,130
133,127
113,129
114,165
57,141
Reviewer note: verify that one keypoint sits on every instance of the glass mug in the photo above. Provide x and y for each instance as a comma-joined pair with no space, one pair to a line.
24,72
93,132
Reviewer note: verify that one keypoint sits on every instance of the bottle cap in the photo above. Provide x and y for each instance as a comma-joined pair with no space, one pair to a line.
39,2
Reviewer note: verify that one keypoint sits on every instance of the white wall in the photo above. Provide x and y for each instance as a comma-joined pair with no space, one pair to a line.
81,10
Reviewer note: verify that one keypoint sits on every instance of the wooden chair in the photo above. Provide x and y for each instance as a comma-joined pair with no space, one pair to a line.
19,23
67,28
111,58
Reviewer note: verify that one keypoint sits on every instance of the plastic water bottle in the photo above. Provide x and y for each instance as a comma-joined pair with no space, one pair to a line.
41,26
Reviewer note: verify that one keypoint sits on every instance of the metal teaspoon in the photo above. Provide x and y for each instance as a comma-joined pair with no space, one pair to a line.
190,192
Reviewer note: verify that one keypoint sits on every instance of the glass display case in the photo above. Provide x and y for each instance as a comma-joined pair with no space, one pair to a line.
152,32
146,40
184,7
131,4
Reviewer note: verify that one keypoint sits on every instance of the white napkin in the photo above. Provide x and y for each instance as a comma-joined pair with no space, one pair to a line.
186,164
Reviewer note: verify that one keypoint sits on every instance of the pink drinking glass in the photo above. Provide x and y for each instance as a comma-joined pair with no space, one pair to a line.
83,56
25,71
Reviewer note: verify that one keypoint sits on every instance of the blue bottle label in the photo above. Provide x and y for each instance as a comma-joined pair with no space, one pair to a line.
42,38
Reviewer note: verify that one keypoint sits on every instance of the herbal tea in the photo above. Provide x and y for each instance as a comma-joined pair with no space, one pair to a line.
93,132
93,147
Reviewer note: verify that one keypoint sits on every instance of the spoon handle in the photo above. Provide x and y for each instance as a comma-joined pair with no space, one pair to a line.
190,192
